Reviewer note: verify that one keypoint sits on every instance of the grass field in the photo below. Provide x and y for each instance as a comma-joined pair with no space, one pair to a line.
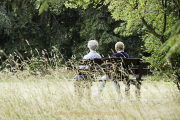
51,97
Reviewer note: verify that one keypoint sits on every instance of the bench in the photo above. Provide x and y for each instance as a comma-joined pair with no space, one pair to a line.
116,69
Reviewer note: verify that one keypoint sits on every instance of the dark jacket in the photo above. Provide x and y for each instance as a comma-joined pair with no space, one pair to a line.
120,54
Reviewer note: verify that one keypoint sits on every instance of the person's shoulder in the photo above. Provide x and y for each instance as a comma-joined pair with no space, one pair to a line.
86,56
120,54
99,55
126,54
96,54
115,55
92,55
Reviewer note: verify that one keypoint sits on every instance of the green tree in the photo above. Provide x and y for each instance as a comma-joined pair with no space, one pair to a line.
156,16
96,23
20,21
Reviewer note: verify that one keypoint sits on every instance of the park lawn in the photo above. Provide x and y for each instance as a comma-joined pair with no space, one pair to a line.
25,96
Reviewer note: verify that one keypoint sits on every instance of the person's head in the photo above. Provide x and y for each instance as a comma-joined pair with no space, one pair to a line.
119,46
92,45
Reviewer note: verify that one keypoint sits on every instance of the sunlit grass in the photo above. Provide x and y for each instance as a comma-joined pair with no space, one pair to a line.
25,96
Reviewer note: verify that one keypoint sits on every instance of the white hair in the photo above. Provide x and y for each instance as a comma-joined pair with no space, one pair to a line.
92,44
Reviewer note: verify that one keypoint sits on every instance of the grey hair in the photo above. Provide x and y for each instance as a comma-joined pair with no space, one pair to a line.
119,46
92,44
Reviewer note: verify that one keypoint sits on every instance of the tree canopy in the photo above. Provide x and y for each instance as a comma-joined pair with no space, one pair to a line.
151,26
158,18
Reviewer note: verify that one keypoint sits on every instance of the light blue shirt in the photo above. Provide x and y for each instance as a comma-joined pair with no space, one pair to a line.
91,55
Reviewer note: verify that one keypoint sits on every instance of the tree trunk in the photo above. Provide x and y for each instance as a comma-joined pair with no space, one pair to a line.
44,22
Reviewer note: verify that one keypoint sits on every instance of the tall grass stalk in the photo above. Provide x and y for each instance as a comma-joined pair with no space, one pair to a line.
25,96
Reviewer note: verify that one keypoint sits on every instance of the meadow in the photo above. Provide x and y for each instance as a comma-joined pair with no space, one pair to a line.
51,97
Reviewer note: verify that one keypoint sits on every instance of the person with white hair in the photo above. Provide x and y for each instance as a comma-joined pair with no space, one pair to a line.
119,47
92,45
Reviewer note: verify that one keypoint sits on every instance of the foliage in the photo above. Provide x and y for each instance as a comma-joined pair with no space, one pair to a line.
20,15
156,16
67,29
66,26
5,22
37,65
173,43
171,47
97,23
41,31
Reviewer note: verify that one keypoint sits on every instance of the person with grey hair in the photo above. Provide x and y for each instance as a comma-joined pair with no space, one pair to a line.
92,45
119,47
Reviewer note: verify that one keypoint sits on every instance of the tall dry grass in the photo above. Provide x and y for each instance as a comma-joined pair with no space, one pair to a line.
25,96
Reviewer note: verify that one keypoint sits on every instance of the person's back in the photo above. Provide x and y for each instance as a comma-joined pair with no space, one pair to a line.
120,54
92,55
119,47
92,45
